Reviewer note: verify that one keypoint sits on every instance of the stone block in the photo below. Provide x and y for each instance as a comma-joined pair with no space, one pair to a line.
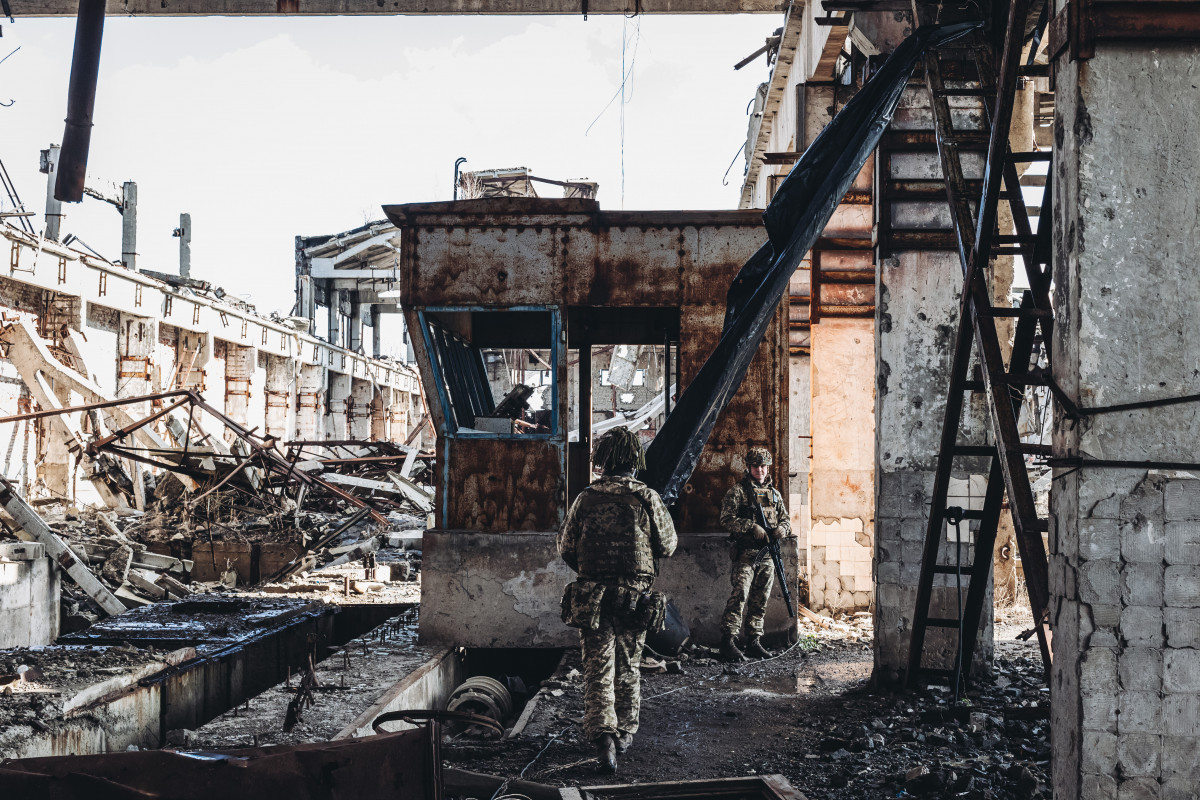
1139,754
1181,670
1181,715
1145,500
1181,586
1100,582
1142,626
1182,499
1100,539
1139,789
1176,789
913,530
1099,752
1141,669
910,573
1181,758
1098,668
1098,787
1139,712
1183,543
1143,541
887,572
1183,627
1099,708
1142,584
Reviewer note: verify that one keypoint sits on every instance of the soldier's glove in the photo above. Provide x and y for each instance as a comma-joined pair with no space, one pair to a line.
759,532
776,534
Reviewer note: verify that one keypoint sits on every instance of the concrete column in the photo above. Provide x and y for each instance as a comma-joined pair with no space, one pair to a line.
354,327
310,407
1125,543
400,417
376,332
137,340
799,413
916,322
359,409
240,363
843,464
380,405
129,226
279,391
338,409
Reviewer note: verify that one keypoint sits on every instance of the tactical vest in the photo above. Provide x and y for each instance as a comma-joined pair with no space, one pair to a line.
614,539
765,496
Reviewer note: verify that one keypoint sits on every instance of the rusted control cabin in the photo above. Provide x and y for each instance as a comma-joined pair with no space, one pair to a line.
560,278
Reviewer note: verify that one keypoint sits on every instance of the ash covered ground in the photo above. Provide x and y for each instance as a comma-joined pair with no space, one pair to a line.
810,715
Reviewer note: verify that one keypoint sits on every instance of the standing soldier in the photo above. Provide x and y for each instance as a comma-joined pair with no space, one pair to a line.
613,535
752,576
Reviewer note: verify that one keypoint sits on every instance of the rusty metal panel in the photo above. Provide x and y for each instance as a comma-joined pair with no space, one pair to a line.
502,485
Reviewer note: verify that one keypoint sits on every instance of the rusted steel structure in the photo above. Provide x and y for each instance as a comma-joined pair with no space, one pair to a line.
562,276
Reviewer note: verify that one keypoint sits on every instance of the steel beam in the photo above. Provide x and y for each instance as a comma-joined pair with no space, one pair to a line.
272,8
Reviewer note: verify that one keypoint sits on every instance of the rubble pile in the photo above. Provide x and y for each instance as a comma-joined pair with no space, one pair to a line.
809,714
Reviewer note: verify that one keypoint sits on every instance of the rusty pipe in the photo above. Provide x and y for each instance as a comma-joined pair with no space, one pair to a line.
81,102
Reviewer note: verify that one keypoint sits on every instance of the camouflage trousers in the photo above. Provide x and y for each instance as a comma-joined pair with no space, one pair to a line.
612,657
751,589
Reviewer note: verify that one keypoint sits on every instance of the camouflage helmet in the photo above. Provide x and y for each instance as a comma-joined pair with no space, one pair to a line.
758,457
619,449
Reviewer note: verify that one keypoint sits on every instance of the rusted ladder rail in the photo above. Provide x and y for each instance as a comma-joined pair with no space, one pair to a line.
978,242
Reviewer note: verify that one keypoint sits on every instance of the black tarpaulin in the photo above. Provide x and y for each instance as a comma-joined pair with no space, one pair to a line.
794,219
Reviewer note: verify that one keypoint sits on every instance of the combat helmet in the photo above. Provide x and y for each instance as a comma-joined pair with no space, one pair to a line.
618,450
758,457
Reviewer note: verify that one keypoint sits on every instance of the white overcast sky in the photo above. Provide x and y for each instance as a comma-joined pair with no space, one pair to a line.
263,129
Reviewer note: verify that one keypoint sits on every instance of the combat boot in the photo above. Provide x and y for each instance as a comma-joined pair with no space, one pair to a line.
755,648
623,743
606,753
730,651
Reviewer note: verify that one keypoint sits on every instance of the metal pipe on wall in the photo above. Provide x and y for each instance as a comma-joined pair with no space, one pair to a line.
81,101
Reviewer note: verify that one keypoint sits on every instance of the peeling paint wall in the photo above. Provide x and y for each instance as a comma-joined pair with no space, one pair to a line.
841,540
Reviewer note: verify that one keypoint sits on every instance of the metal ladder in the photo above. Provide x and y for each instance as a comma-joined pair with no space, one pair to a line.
1004,386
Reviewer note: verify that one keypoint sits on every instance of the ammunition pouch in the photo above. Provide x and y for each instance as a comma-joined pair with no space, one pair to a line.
582,604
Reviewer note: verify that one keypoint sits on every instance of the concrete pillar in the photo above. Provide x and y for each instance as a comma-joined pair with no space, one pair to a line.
240,364
917,315
359,409
310,407
1124,543
354,327
129,226
799,413
843,465
137,340
338,409
280,392
400,417
376,332
380,413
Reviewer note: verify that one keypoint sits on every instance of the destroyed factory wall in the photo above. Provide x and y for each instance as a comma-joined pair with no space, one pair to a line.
130,336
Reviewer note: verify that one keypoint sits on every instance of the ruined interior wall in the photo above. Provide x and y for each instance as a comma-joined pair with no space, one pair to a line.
843,464
1125,543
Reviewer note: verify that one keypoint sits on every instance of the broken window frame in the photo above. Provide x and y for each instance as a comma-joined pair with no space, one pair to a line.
451,427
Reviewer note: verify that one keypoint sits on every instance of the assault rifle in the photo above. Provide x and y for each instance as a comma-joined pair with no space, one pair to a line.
776,558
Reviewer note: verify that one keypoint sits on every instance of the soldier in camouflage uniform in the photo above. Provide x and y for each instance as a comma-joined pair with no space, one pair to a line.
752,577
613,535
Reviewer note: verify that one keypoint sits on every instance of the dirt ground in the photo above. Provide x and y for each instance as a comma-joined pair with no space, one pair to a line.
810,715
